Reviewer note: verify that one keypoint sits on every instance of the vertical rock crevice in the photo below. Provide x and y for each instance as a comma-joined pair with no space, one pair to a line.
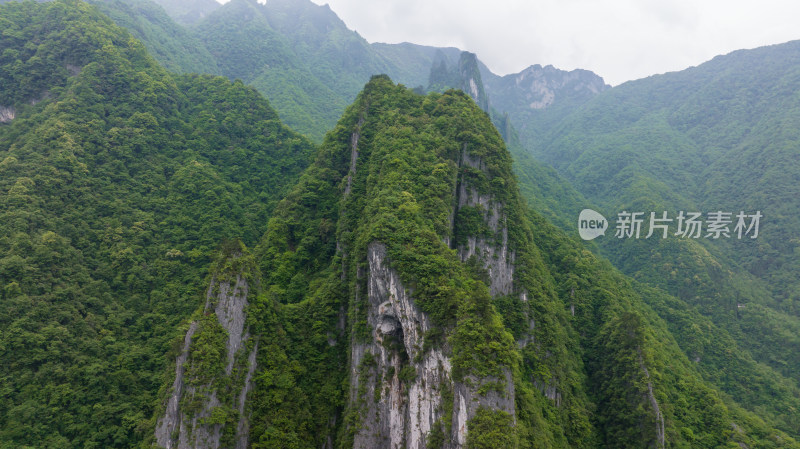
659,417
353,155
403,389
169,424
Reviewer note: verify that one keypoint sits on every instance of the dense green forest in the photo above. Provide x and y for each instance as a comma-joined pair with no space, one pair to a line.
299,55
586,355
717,137
403,278
176,48
119,181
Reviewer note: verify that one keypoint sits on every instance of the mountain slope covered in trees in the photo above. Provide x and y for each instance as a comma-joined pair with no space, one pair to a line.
401,294
717,137
407,298
303,58
173,46
755,376
118,183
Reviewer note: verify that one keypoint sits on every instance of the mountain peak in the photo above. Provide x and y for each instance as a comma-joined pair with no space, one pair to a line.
542,85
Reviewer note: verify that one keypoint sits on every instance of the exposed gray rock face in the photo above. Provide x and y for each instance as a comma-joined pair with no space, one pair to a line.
397,412
550,391
353,155
539,87
399,387
466,75
181,429
172,417
495,256
467,402
660,425
7,113
541,84
243,426
230,306
471,83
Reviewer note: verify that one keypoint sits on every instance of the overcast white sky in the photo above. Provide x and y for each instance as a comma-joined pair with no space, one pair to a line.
618,39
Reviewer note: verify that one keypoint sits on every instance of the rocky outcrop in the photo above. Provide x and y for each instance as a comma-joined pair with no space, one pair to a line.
353,156
492,249
413,388
659,417
201,403
7,113
471,82
540,87
243,426
464,75
401,389
231,302
171,421
394,383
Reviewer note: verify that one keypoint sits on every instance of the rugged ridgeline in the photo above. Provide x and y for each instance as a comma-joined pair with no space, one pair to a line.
118,181
538,98
293,52
417,210
624,120
688,140
541,186
409,300
268,47
465,75
406,297
722,346
299,54
189,12
310,65
595,146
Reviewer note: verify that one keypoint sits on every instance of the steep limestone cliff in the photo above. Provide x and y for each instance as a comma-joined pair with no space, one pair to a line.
214,369
405,381
470,76
464,75
408,383
489,245
409,300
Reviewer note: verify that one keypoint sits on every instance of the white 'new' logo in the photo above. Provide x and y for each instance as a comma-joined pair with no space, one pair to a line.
591,224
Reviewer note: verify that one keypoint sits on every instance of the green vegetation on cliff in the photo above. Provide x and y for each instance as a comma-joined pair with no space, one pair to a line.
593,364
117,186
123,186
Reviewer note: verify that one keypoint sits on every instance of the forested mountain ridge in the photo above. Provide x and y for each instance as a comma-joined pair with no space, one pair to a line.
118,183
703,278
400,295
538,98
304,101
189,12
717,137
405,300
174,47
712,135
305,60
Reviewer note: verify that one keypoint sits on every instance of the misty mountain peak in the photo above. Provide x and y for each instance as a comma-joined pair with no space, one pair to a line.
541,85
